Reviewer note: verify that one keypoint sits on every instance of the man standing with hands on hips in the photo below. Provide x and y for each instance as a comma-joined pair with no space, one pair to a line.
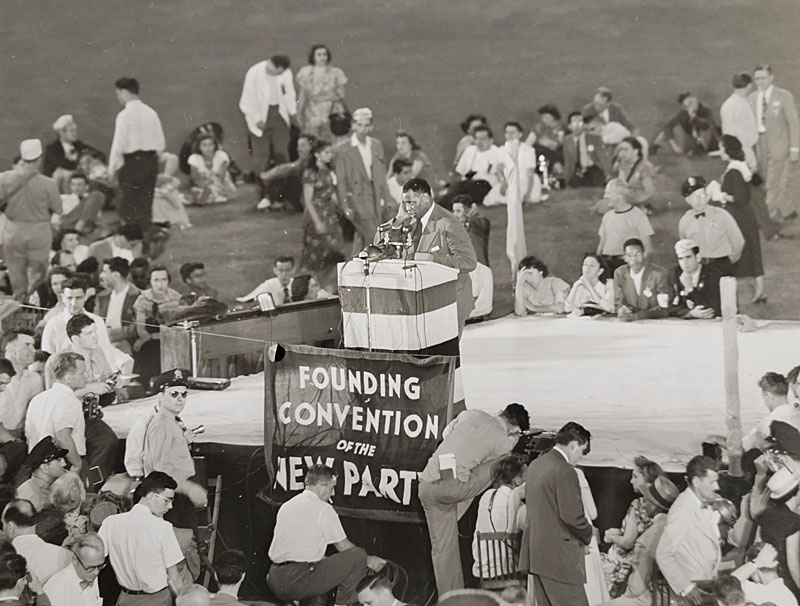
138,139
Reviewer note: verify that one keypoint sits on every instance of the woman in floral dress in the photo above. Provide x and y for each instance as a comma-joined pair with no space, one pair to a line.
321,231
320,85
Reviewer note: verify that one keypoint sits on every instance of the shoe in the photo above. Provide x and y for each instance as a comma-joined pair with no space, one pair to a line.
264,204
760,300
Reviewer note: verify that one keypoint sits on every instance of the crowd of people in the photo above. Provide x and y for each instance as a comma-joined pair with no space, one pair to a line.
81,237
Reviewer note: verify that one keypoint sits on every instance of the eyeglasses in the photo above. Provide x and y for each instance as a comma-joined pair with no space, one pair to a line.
175,394
96,568
166,499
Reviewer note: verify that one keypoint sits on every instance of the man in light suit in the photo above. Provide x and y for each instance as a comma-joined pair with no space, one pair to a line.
269,105
586,163
638,284
778,140
440,237
556,530
361,180
689,547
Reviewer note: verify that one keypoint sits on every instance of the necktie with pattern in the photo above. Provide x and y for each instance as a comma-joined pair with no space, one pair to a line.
764,109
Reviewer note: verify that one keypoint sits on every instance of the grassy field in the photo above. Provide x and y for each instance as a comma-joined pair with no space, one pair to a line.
420,65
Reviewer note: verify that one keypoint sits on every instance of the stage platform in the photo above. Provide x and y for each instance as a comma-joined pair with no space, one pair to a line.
653,388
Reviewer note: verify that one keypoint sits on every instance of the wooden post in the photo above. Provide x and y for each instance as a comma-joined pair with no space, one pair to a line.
730,330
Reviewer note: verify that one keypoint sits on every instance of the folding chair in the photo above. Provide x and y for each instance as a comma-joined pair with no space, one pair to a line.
662,595
498,554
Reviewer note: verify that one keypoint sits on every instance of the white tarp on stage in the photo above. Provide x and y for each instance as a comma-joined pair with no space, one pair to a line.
654,388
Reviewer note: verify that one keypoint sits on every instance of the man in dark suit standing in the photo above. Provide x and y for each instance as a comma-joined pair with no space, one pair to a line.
556,530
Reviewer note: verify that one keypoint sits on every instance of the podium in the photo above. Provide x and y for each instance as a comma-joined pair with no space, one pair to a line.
397,305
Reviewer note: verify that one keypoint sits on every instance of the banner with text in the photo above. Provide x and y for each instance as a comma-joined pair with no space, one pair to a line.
375,418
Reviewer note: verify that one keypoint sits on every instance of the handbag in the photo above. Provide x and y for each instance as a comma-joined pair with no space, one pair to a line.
340,120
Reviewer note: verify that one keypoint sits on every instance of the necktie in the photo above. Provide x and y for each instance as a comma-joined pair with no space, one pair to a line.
416,235
286,297
764,109
86,584
698,215
580,152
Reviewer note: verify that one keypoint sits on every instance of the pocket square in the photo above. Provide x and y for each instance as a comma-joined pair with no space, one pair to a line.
434,249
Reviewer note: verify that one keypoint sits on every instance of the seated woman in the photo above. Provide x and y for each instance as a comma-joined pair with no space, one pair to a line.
593,293
497,512
407,148
208,167
536,291
618,562
634,169
547,137
304,288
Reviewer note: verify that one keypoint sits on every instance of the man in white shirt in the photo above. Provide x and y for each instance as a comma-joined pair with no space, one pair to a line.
306,524
269,105
738,119
57,412
483,161
76,584
138,140
142,546
19,349
774,391
44,559
401,173
759,577
54,336
278,287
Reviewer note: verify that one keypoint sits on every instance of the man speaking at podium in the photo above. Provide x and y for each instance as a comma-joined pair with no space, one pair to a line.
436,235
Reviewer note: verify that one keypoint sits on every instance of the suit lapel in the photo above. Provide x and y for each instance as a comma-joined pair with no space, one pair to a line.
628,287
429,233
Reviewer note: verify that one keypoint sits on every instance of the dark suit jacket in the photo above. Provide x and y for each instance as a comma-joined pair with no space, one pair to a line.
224,599
654,281
615,114
556,529
596,149
128,316
706,293
54,157
478,228
360,194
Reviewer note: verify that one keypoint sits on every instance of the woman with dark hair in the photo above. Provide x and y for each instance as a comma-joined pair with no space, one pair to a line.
320,86
593,293
148,307
208,166
618,562
407,148
468,126
536,291
635,170
734,196
497,512
321,231
304,288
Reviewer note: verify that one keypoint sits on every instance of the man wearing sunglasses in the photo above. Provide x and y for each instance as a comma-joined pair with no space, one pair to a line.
160,442
76,584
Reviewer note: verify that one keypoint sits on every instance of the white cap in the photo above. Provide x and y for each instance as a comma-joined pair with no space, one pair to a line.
781,483
362,113
684,246
30,149
63,122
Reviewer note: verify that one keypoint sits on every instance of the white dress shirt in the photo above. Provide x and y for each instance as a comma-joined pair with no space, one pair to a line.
140,546
760,118
116,300
64,589
272,286
118,251
44,559
55,339
53,410
365,150
304,528
637,280
738,120
137,128
775,592
258,93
